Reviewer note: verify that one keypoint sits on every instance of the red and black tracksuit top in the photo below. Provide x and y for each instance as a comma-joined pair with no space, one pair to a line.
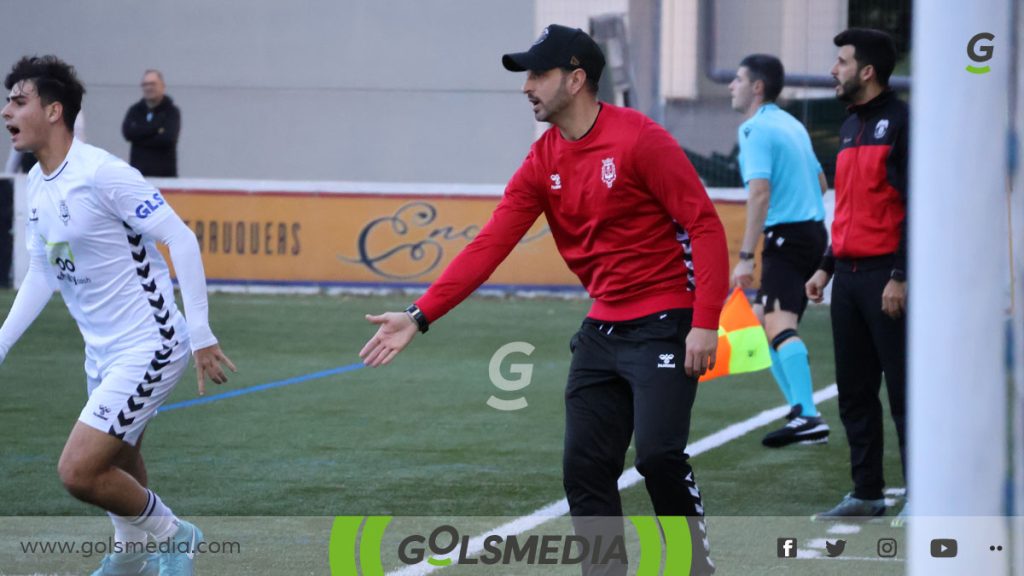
628,214
871,184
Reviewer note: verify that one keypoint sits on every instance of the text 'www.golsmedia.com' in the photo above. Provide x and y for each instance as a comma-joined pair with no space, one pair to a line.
87,549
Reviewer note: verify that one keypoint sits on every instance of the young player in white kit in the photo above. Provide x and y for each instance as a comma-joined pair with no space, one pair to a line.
93,224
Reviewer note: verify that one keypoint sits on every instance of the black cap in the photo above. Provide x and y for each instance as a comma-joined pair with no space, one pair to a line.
559,47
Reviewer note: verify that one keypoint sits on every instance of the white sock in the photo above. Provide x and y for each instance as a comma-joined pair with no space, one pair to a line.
130,537
156,518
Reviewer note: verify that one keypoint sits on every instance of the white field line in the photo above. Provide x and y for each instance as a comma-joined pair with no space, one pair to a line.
628,478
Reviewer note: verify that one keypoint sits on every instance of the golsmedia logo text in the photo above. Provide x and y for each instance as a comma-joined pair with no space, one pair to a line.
413,542
531,549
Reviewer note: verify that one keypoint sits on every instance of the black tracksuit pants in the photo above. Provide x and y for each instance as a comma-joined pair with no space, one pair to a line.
867,344
626,379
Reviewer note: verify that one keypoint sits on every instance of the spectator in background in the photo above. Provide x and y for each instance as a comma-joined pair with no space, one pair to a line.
22,162
152,126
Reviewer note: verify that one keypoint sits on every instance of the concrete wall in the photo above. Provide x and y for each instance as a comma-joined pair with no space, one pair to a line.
380,90
799,32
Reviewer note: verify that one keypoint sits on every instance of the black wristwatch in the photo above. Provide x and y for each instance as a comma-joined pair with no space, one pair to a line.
898,275
417,315
746,255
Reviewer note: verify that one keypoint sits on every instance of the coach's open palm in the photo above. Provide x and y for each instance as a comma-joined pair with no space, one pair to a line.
396,330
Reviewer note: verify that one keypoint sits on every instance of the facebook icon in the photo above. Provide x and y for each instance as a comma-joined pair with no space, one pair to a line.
787,547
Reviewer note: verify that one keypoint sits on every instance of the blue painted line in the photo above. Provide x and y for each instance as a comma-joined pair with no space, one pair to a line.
268,386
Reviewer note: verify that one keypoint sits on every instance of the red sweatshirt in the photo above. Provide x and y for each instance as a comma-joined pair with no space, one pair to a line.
625,206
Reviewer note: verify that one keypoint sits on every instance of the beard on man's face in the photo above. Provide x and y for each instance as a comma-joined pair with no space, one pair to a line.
849,90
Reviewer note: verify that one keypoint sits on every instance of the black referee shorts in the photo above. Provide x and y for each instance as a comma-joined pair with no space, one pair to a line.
791,255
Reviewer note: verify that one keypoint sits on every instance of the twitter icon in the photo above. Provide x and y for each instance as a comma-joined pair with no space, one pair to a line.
835,549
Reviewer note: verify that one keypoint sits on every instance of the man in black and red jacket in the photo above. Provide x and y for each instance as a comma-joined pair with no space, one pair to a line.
868,257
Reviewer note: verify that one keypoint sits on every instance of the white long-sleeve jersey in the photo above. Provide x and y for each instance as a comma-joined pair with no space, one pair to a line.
92,231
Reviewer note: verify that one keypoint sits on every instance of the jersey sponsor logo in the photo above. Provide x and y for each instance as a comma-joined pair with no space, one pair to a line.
149,206
608,171
881,127
60,256
556,182
35,215
65,215
666,361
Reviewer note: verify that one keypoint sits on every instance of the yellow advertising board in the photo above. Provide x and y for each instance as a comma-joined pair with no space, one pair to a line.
362,239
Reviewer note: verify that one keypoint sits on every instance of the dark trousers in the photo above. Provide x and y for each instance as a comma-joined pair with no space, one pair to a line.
627,378
867,344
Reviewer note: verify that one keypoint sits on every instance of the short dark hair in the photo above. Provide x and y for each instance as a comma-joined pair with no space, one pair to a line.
592,83
767,69
55,81
871,47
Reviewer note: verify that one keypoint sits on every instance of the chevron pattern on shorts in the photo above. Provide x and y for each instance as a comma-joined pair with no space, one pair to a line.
162,357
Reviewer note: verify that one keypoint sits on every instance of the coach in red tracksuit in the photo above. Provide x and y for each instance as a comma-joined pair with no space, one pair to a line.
868,256
631,219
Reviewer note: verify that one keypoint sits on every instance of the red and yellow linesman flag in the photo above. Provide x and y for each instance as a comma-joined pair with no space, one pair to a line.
742,344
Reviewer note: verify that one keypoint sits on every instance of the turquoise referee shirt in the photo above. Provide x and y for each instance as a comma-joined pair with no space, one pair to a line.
775,146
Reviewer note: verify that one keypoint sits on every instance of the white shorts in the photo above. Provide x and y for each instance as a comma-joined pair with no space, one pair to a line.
125,393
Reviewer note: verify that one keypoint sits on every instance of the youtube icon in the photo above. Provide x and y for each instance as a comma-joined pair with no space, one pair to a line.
943,548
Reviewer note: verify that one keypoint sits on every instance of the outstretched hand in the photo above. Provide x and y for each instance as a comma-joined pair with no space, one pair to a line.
395,331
